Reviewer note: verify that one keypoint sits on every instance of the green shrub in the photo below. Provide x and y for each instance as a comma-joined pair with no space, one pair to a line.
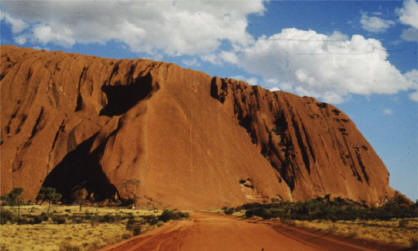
67,246
108,218
23,221
59,220
403,223
7,216
37,219
325,208
228,211
14,197
172,215
44,216
262,212
77,219
136,230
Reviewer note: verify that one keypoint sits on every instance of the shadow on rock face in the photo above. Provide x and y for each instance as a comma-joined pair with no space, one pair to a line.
81,168
121,98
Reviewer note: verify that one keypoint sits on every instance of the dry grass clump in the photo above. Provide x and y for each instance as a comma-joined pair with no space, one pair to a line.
72,227
47,236
397,231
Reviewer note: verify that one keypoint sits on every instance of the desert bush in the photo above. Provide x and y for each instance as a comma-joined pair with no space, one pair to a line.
109,218
172,215
67,246
265,213
136,230
126,236
403,223
135,226
59,219
44,216
327,209
37,219
14,197
151,219
413,242
24,220
228,211
48,194
7,216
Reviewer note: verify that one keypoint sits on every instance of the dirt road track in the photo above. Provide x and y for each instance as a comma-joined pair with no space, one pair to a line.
211,232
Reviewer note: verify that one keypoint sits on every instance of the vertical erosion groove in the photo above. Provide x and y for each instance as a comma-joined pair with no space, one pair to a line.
36,127
79,105
302,146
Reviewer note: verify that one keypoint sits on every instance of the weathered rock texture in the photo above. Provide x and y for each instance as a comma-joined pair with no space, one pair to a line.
105,128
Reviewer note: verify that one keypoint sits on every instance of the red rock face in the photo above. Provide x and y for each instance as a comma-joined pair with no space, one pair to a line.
111,128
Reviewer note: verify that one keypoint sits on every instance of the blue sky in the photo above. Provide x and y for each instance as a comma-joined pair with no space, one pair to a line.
359,55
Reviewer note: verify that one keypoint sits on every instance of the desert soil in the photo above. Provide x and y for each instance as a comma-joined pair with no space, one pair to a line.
209,232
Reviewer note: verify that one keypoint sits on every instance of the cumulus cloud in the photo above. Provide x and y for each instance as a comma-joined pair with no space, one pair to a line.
174,27
330,67
410,34
375,24
212,58
191,62
20,39
408,15
412,76
229,57
17,24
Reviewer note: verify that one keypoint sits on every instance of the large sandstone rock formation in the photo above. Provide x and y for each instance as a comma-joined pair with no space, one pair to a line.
174,137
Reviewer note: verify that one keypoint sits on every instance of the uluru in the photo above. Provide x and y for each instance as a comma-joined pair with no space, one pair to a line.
172,137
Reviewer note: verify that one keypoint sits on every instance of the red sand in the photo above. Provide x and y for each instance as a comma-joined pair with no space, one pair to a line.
211,232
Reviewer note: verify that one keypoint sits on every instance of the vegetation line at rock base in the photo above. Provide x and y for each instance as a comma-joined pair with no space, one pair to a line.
71,227
395,222
324,208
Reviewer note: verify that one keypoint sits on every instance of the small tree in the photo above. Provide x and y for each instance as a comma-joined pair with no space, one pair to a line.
13,198
48,194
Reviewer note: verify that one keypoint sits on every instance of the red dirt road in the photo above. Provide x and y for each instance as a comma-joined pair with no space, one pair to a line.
211,232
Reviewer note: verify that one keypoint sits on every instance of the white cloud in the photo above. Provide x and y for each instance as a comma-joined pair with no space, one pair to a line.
175,27
408,14
251,80
212,58
191,62
229,57
412,76
329,67
17,25
410,34
387,112
375,24
273,89
20,39
414,96
46,33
